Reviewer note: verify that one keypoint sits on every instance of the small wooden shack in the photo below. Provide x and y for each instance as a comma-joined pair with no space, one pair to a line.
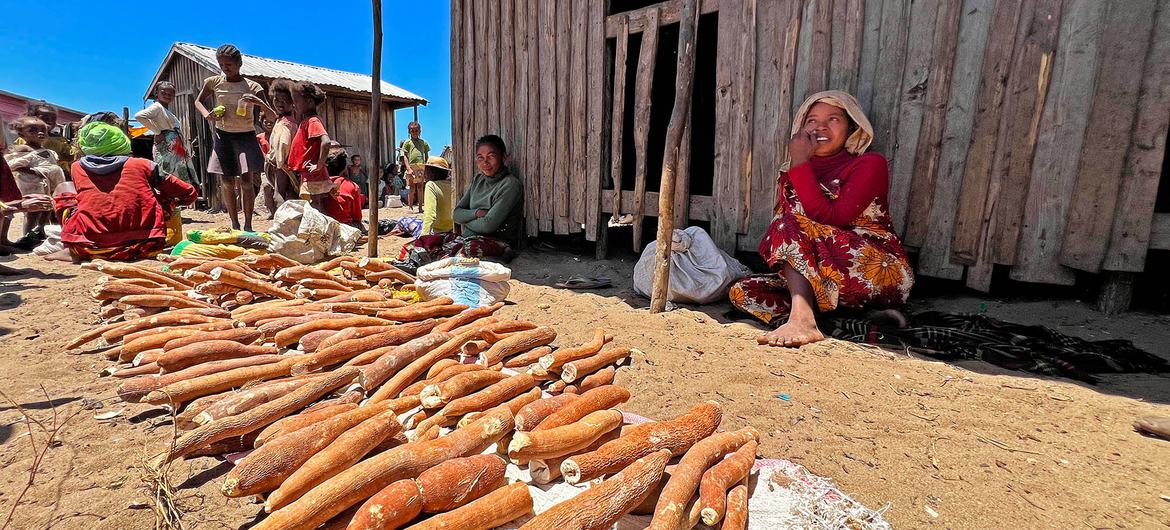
346,112
14,105
1028,134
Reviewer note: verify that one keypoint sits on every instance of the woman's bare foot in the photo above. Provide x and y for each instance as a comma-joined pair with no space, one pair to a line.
60,255
794,333
1154,426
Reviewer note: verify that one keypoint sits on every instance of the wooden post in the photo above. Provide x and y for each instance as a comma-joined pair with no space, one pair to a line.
1116,292
376,131
688,27
126,120
416,113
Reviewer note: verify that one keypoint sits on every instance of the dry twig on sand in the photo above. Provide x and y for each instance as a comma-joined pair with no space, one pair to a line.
51,432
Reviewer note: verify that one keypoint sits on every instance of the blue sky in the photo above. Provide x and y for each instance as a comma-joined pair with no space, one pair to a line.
100,56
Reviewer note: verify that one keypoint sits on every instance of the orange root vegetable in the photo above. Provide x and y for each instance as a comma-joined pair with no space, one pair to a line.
300,421
558,358
716,481
266,261
737,509
599,398
440,377
259,316
115,290
602,505
440,366
548,470
469,316
362,308
240,335
185,419
147,357
523,400
404,377
126,270
318,294
495,509
245,399
336,262
415,312
133,390
252,284
520,342
349,448
435,396
270,327
206,351
234,444
162,300
151,341
528,358
348,349
369,476
294,334
139,370
532,414
355,333
142,282
672,507
269,304
473,348
264,469
214,288
261,416
489,397
563,440
570,372
245,297
321,283
599,378
376,265
214,325
393,276
185,390
360,295
459,481
176,317
490,325
389,364
353,396
234,266
677,435
392,507
197,277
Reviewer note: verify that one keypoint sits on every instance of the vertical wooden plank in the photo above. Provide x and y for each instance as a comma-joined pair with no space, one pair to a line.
870,42
743,110
767,129
456,91
803,52
938,89
507,77
597,95
534,179
934,258
521,98
617,122
888,77
578,114
481,74
682,190
1143,164
1062,131
548,117
837,19
988,109
643,86
726,184
849,15
1126,39
822,46
466,163
492,41
911,101
1028,85
564,165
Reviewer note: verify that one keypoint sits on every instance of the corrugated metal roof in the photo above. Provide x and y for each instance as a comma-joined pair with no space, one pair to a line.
273,68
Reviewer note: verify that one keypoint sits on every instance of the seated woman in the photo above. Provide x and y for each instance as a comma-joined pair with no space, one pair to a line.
831,242
123,204
344,203
489,213
437,194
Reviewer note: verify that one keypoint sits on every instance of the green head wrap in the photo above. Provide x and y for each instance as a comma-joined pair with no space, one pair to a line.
102,139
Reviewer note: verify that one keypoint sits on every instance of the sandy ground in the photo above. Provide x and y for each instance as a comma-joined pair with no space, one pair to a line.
944,446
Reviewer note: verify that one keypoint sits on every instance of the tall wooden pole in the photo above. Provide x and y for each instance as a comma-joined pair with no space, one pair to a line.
688,28
375,132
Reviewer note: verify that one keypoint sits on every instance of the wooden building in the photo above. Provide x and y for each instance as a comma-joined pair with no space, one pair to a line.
346,111
14,105
1028,134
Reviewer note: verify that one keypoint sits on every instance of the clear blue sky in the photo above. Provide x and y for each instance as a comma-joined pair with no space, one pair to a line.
94,56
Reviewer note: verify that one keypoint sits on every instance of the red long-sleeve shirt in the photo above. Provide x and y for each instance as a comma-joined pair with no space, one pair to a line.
856,181
121,206
346,206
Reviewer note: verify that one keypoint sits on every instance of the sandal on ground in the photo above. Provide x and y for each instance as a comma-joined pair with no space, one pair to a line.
581,282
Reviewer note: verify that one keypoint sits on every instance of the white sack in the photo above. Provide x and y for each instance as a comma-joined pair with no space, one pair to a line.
700,273
466,280
300,232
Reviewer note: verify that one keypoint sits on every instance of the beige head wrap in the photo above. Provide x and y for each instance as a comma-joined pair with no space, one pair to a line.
857,142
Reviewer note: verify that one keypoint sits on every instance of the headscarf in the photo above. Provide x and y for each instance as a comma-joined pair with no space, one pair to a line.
102,139
857,142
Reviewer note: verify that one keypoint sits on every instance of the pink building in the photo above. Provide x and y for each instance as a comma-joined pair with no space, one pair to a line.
13,106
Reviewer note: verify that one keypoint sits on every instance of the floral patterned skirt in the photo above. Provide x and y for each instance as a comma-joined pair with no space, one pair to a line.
448,245
852,267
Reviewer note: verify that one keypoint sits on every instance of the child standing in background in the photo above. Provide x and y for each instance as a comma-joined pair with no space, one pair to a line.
236,154
310,146
280,177
37,174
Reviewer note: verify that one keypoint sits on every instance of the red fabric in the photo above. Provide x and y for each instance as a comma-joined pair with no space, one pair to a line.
262,138
857,181
9,192
346,204
306,148
121,207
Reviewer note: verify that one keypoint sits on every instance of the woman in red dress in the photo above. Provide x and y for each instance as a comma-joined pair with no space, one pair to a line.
831,242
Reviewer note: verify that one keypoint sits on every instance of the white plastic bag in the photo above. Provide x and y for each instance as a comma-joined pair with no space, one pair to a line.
52,242
700,273
300,232
466,280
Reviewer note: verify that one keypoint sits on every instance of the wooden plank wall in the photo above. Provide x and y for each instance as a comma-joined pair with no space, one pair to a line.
999,118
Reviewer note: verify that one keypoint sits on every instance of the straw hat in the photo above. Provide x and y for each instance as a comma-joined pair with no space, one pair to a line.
438,162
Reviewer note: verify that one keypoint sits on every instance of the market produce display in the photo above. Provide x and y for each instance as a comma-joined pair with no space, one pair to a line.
362,406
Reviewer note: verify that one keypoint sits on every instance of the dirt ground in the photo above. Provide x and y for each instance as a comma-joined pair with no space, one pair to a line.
943,446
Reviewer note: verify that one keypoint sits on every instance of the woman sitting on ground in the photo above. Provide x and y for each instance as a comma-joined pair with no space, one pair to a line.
831,243
123,204
344,202
437,196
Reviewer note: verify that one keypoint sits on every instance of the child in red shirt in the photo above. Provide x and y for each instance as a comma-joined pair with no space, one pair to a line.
345,202
310,146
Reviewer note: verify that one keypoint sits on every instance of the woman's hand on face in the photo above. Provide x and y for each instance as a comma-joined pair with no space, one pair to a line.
801,147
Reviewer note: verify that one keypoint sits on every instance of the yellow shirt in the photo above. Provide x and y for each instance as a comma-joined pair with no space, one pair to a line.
228,94
437,207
